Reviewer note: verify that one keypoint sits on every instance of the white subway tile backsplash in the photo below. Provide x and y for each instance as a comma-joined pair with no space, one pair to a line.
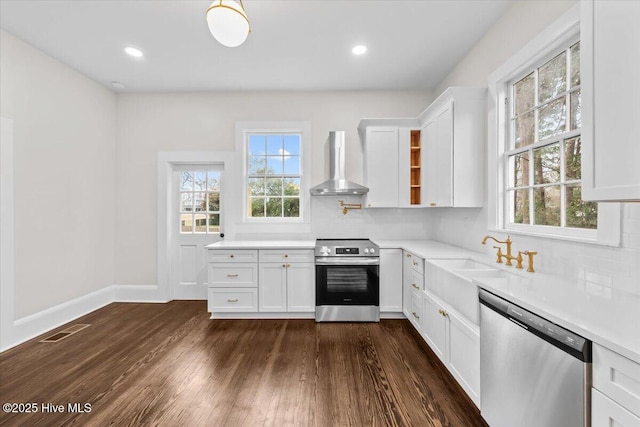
602,267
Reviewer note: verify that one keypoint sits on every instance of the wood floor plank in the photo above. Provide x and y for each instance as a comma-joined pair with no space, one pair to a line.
169,364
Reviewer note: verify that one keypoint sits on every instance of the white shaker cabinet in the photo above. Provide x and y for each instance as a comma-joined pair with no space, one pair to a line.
453,139
381,167
286,281
413,283
390,280
391,162
609,68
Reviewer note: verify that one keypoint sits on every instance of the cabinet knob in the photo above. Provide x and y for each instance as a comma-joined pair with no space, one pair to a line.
288,265
286,255
231,256
284,265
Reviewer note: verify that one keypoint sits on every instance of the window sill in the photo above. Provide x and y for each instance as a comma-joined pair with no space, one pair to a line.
573,239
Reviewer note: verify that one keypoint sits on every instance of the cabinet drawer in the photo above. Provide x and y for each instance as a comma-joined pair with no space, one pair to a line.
286,255
233,300
416,309
233,275
617,377
417,263
605,412
227,255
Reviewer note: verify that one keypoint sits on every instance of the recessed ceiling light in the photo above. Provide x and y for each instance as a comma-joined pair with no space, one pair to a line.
136,53
118,85
359,50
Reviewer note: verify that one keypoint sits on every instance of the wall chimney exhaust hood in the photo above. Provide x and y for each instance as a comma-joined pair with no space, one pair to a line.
337,185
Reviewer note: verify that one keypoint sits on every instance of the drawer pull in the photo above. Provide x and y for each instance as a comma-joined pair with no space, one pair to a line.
415,286
286,255
284,265
415,315
232,275
231,256
233,300
444,313
415,263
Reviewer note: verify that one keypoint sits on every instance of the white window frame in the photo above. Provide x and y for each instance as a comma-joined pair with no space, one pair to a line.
203,168
542,47
279,224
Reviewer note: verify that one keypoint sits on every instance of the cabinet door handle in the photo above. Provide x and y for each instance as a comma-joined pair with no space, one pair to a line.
415,315
232,275
233,300
432,204
415,286
408,255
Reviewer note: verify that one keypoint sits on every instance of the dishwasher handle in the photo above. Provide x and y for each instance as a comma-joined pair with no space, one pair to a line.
570,342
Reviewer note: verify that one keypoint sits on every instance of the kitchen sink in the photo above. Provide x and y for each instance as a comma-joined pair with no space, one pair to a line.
452,281
461,264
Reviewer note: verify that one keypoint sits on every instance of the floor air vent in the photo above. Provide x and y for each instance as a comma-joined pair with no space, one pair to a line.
63,334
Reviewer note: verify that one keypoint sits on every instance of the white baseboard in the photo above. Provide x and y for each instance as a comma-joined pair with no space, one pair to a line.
31,326
254,315
139,293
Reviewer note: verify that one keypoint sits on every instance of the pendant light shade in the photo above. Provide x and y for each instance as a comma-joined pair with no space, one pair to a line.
228,22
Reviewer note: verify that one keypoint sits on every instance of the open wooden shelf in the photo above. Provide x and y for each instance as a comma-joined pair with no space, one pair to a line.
415,168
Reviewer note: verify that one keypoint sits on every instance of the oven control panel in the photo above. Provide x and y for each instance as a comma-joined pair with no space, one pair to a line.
347,251
346,248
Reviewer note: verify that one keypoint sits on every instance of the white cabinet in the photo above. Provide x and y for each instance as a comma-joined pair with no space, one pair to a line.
609,68
265,280
606,412
413,284
456,341
380,167
301,287
453,139
390,280
616,389
391,163
273,287
289,284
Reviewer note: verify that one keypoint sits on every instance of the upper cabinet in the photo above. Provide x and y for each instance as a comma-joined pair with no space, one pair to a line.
609,68
392,162
453,139
435,160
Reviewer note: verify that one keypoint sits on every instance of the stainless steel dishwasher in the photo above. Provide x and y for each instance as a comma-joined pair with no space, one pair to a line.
533,373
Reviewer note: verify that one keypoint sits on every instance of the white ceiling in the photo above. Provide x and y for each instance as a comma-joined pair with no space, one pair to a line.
294,44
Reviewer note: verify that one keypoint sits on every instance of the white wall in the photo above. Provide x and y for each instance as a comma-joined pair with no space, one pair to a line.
64,148
616,268
152,123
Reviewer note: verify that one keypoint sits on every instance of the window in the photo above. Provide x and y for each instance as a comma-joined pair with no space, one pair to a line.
535,143
200,201
273,175
543,153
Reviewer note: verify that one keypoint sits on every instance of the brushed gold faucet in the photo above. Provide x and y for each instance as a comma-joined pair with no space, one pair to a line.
530,254
500,255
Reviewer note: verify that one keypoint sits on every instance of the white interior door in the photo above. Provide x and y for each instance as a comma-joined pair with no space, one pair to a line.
196,222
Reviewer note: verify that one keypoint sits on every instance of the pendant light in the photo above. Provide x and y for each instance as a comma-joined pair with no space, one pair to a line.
228,22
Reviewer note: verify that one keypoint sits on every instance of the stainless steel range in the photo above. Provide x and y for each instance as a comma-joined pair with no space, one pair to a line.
347,280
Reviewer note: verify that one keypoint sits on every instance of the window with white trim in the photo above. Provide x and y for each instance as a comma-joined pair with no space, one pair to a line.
542,156
535,139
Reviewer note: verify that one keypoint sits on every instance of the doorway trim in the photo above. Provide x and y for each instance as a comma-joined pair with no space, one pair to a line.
166,162
7,259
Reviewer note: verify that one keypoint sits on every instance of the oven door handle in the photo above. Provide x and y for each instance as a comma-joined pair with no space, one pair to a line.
347,261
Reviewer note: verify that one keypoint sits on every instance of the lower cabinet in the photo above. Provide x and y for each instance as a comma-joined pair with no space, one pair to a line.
455,340
268,281
606,412
412,286
229,300
390,280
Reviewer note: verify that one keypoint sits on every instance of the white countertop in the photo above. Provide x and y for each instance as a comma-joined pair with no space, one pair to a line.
603,315
600,314
263,244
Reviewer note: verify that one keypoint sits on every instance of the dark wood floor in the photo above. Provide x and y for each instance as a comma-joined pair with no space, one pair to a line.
170,365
